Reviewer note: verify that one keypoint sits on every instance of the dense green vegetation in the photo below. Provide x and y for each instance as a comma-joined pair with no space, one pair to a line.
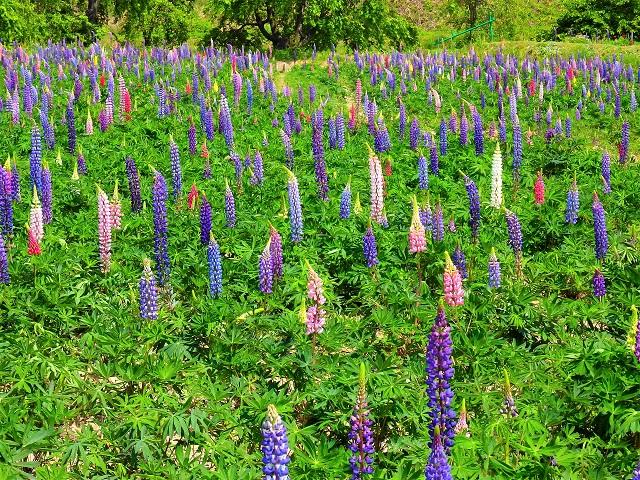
90,390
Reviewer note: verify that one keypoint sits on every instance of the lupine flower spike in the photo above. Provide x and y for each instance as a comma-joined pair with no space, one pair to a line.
361,436
33,246
4,263
116,209
104,230
274,447
369,247
345,201
599,285
538,189
438,467
599,228
462,427
192,197
509,405
36,223
474,206
148,293
417,238
515,239
214,259
295,208
496,178
275,252
265,269
452,282
573,203
316,315
439,370
494,270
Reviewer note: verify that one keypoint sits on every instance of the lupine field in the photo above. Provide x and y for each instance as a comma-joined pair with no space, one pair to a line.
370,265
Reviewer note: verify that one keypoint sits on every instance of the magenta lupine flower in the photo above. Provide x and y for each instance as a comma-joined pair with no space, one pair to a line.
452,281
316,315
275,252
439,370
361,437
417,239
104,230
229,206
538,189
636,326
148,293
599,228
369,248
599,286
265,269
295,208
36,223
377,188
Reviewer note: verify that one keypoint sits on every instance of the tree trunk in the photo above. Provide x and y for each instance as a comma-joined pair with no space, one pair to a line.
92,11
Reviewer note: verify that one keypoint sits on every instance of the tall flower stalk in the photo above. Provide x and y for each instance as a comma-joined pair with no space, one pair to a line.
160,194
295,208
360,435
274,447
104,230
148,293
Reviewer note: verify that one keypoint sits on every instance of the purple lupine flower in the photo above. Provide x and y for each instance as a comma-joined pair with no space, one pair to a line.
4,263
403,120
636,471
47,130
333,134
258,169
265,270
224,121
494,270
82,164
502,130
443,137
340,132
205,220
176,169
103,121
160,194
636,347
345,201
423,173
599,287
573,204
452,225
478,134
148,293
617,106
426,217
360,436
288,148
6,204
624,143
464,130
229,206
318,157
274,447
605,170
438,467
275,252
414,133
599,228
35,158
433,160
508,405
214,259
474,206
295,208
369,248
437,223
515,238
134,184
439,370
46,196
460,261
517,151
567,127
71,126
191,135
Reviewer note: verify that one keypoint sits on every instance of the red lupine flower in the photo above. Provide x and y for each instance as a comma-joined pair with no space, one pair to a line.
192,198
538,189
33,247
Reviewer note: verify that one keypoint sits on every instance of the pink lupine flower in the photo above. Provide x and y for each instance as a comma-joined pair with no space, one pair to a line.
104,230
192,197
36,223
116,209
33,246
377,188
538,189
88,129
453,292
316,315
417,239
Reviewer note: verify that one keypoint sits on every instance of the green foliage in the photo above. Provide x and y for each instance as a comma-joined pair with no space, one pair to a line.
600,17
300,23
